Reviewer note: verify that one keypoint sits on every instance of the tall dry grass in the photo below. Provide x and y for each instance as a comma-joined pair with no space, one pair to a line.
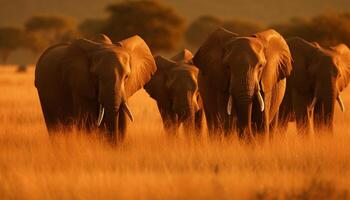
151,166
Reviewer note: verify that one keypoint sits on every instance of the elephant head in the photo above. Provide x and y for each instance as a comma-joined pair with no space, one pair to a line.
245,67
328,73
111,74
174,86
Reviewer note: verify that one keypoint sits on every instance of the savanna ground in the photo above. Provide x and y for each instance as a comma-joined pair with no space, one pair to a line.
149,165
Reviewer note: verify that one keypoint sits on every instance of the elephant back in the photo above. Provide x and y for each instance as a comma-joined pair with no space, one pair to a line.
49,61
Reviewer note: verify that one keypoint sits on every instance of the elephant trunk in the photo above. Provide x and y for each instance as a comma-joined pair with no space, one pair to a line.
242,91
112,108
110,120
185,107
189,123
244,113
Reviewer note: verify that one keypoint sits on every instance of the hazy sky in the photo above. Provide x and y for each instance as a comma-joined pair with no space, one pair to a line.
14,12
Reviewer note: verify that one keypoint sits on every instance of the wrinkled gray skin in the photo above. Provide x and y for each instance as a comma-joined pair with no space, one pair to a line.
174,86
242,80
87,83
313,89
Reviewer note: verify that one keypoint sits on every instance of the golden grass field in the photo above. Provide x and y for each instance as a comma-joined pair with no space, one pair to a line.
149,165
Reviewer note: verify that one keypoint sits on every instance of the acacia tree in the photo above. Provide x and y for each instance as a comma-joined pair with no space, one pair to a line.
43,31
10,40
327,29
160,26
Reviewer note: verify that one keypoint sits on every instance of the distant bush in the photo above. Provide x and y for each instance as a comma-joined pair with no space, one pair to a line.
327,29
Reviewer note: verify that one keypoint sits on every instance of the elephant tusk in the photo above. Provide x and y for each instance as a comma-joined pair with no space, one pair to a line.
127,110
261,102
229,105
100,115
341,104
313,103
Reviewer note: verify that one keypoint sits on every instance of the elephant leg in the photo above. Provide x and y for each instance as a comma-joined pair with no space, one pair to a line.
170,124
217,125
323,120
285,112
226,122
56,117
284,116
261,120
51,120
257,118
199,122
274,125
300,105
85,113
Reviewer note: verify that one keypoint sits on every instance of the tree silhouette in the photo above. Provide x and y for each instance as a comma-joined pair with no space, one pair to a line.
160,26
43,31
10,40
327,29
91,27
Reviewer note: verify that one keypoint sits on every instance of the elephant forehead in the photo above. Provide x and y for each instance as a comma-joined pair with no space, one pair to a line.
243,50
246,44
187,67
330,64
185,78
119,57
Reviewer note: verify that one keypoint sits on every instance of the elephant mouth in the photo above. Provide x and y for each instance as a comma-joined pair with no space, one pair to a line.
339,100
230,103
123,107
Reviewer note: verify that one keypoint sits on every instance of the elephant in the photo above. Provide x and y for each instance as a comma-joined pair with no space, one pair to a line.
313,88
242,81
174,86
87,83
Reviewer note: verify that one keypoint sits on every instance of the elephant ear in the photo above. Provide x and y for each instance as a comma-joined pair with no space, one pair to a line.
209,57
142,64
156,86
343,64
278,58
184,56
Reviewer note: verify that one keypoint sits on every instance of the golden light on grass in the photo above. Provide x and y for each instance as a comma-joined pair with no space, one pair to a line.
149,165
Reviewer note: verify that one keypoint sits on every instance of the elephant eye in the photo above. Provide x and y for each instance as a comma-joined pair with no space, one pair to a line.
126,77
